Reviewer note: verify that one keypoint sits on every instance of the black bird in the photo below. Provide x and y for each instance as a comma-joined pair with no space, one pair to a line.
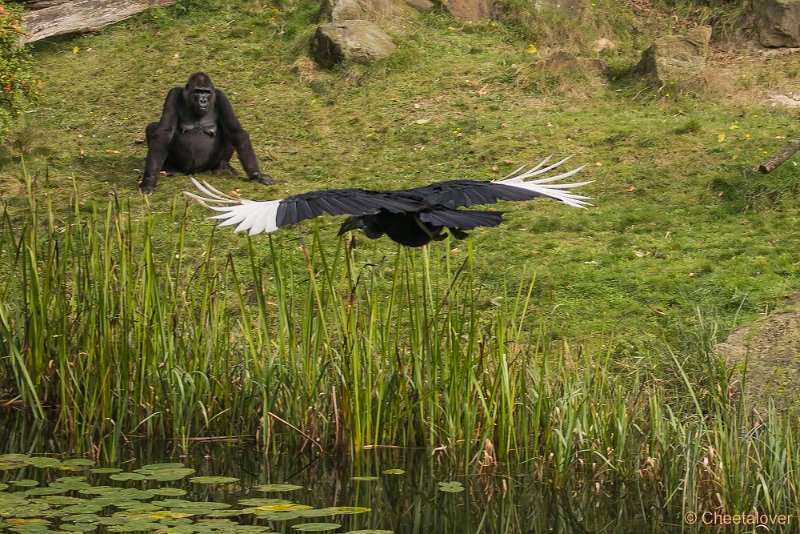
411,217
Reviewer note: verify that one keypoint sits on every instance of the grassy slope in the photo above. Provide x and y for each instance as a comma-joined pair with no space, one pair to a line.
680,222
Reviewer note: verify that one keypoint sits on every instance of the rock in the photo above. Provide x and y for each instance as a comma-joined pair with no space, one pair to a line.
356,41
777,22
676,59
770,350
374,10
423,6
790,100
469,10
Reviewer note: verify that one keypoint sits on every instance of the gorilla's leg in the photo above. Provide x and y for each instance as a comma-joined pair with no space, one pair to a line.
224,164
157,151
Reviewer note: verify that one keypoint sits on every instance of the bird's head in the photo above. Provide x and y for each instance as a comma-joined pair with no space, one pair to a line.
366,223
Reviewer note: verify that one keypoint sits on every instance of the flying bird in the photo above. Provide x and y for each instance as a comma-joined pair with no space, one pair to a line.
411,217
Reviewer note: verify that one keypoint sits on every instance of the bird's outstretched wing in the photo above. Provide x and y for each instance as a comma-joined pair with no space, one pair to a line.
515,186
269,215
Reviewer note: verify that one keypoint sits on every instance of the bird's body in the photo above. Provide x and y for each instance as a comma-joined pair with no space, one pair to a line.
411,217
415,229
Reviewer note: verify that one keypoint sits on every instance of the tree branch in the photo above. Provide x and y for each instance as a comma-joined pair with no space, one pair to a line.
786,152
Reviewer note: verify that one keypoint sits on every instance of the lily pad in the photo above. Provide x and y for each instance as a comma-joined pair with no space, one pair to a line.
167,514
171,475
98,490
196,508
83,508
70,485
129,493
284,507
316,527
61,500
79,527
334,510
168,492
24,483
223,525
14,457
213,480
70,479
221,514
160,466
39,492
278,516
44,462
81,518
256,501
77,462
365,478
276,488
394,471
451,487
125,477
135,526
10,466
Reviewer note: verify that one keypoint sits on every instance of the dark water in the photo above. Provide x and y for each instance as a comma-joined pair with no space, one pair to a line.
404,490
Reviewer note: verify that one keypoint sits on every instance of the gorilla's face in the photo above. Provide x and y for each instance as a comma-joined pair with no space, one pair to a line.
201,100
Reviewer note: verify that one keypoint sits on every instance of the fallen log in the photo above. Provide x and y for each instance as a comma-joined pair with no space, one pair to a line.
786,152
77,16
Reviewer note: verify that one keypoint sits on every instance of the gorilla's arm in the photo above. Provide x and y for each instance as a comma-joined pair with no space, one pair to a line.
232,129
159,136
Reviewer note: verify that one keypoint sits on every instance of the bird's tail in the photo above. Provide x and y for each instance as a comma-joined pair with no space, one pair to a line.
546,186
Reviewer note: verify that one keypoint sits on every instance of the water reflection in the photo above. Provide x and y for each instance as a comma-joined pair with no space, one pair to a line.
400,487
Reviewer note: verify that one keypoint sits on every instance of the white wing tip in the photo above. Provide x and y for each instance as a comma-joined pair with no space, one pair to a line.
247,214
549,185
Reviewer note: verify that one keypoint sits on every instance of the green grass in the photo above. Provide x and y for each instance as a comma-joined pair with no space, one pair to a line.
578,341
680,220
111,339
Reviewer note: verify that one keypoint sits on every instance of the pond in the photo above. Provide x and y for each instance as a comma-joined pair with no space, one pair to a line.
229,486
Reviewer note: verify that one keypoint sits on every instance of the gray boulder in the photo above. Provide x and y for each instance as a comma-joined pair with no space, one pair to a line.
423,6
469,10
777,22
374,10
678,60
350,41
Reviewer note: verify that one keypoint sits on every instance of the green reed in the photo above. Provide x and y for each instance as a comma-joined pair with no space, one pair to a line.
112,328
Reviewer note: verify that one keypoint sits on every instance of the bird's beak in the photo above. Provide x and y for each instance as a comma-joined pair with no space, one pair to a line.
351,223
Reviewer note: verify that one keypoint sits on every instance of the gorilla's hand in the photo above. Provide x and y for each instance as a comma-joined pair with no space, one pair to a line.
147,187
265,179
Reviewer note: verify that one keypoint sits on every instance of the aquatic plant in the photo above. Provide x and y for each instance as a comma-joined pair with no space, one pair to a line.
309,346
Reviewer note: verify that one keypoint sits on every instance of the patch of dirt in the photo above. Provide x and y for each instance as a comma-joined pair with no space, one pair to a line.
770,351
749,75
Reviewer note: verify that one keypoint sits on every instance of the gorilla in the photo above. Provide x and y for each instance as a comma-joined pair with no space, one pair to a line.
198,131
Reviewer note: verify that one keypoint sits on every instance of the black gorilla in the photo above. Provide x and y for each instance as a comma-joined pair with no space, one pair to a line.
198,131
